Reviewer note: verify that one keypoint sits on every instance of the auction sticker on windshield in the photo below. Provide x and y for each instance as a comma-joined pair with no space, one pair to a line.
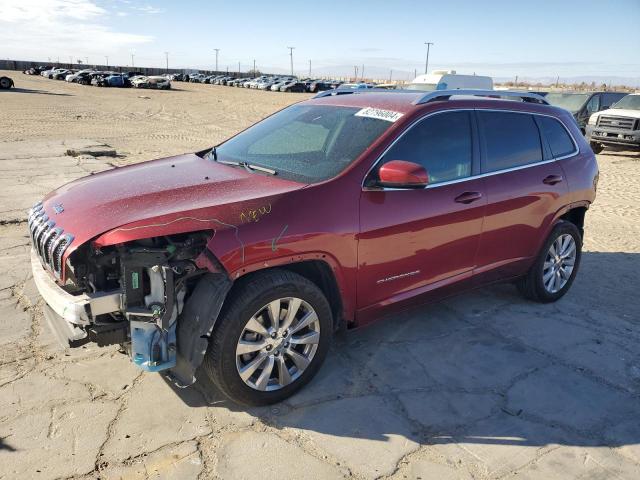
379,113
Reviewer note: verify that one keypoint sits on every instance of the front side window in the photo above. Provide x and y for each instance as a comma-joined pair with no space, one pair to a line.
560,141
441,143
510,140
594,104
569,101
305,143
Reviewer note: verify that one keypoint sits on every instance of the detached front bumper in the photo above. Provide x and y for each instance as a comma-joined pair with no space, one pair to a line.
67,313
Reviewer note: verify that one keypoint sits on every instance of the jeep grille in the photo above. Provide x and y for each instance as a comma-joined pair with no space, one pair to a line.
49,241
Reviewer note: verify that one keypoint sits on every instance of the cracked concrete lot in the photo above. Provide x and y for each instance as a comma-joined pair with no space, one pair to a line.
482,386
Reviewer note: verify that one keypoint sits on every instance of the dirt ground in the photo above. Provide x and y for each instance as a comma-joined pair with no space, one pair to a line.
485,385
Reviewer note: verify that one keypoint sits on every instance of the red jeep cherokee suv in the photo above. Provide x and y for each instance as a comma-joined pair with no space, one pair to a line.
245,258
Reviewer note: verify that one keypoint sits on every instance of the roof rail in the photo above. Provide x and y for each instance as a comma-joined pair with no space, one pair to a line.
447,94
347,91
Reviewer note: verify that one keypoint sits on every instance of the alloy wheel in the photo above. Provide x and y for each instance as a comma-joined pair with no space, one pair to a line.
277,344
559,263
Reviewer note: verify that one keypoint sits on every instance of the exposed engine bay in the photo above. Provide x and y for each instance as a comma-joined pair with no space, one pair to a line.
153,278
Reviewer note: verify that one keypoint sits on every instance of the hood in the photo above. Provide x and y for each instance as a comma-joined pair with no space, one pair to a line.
160,192
619,112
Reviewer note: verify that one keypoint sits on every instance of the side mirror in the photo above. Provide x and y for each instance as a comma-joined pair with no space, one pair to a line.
402,174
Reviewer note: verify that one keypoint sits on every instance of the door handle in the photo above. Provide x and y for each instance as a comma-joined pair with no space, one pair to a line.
468,197
552,179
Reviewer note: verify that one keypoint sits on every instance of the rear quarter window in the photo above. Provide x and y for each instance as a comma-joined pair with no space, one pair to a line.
510,140
559,140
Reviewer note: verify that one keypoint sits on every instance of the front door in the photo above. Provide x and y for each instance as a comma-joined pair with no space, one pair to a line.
414,240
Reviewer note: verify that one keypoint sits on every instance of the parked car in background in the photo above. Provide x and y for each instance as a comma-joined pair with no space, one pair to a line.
618,126
275,87
113,80
60,74
197,78
323,85
449,80
155,82
583,104
293,86
73,77
415,196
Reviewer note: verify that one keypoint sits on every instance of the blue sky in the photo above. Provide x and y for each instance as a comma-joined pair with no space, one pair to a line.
498,38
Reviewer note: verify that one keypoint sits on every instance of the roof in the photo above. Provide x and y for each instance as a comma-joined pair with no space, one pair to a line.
404,101
390,100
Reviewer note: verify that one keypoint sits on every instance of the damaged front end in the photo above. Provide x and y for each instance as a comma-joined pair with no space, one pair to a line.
136,294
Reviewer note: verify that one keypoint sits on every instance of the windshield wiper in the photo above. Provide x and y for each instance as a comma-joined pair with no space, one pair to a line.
211,154
247,166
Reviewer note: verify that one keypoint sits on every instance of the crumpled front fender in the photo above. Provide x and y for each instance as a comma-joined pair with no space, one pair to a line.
195,325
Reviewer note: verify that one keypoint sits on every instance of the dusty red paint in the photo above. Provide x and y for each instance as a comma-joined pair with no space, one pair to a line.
433,244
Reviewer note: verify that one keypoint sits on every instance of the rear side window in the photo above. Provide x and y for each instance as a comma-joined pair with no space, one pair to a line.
510,140
559,139
441,143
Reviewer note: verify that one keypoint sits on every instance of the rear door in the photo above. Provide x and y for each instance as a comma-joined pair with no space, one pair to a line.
413,240
524,185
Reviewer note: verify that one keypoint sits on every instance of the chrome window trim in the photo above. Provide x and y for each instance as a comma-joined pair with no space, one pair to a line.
480,175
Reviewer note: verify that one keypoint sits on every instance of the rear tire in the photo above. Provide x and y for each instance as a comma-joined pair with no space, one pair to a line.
596,147
560,264
246,312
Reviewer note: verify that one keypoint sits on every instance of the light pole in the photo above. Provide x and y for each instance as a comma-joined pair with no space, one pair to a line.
132,60
166,56
309,68
238,68
426,63
254,66
291,55
106,57
217,50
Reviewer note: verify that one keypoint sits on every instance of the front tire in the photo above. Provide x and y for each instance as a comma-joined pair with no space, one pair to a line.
596,147
270,339
556,267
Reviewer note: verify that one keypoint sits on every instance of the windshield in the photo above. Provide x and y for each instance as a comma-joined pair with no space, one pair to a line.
422,86
305,143
569,101
630,102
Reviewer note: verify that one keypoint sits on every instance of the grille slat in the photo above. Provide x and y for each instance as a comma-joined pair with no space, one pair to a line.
618,123
49,241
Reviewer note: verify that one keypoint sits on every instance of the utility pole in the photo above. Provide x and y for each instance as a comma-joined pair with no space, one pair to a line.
254,66
132,60
390,75
217,50
426,63
309,68
355,73
106,57
166,56
291,55
516,82
238,68
362,73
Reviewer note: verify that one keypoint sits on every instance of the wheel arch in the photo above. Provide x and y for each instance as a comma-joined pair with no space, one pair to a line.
321,269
